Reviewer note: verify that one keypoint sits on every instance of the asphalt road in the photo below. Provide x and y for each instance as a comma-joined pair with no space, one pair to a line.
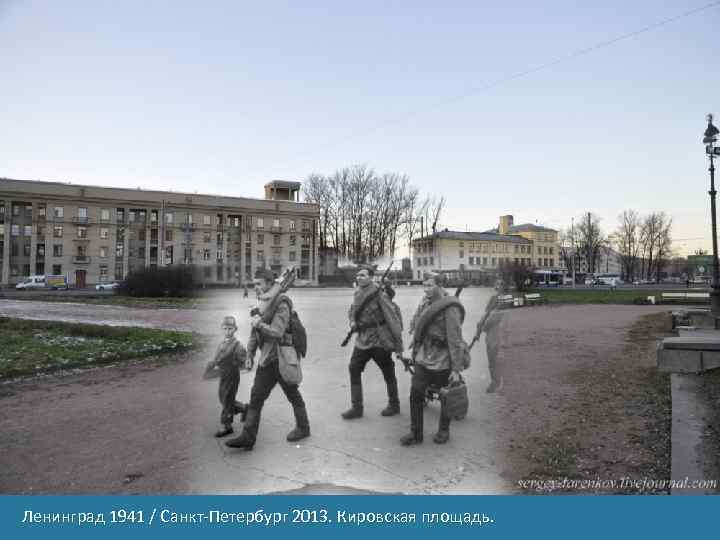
147,427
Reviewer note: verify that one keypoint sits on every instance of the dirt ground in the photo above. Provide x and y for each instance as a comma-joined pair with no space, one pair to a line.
581,400
584,400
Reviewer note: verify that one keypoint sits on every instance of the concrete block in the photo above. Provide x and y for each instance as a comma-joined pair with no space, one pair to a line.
678,361
710,360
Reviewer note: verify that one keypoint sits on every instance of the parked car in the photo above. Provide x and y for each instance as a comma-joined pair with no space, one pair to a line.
31,282
109,286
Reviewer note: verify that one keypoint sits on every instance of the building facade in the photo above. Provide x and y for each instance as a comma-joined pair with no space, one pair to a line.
477,253
95,234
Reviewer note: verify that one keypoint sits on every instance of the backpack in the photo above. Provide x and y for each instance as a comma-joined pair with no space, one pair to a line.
299,334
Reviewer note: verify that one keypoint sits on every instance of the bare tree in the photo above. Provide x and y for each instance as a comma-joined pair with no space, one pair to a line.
590,238
627,240
655,243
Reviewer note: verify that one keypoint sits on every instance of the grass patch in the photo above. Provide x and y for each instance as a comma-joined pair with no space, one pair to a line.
116,300
596,296
30,347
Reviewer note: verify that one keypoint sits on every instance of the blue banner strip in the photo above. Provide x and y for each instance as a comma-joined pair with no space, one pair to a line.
176,517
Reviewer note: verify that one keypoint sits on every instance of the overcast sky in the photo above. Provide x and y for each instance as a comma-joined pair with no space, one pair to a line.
540,109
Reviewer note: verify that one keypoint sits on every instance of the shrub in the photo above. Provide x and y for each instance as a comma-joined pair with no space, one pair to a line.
174,281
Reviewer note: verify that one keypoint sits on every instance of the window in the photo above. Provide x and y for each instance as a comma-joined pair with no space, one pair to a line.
168,217
14,230
103,252
40,231
103,272
260,239
104,214
260,223
119,273
168,235
15,209
119,250
141,252
104,232
550,251
120,215
261,256
141,235
14,249
292,239
41,250
206,237
305,225
276,222
41,210
207,220
57,250
27,230
189,218
276,239
494,261
26,250
206,254
131,216
58,212
291,224
153,216
82,213
539,262
219,255
58,231
57,269
81,231
292,256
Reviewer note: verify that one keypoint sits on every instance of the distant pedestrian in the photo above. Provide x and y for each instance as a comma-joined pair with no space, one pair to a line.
687,283
245,290
229,358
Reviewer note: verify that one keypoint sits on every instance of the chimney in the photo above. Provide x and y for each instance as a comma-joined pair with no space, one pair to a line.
505,223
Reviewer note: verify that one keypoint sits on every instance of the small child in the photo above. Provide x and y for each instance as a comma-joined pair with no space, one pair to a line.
229,359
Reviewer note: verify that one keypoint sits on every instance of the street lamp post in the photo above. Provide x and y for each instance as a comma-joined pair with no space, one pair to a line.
710,138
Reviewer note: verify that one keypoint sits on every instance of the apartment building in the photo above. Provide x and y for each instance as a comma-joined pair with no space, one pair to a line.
96,234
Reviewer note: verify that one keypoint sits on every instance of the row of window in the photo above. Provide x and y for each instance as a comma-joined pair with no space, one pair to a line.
494,261
104,233
140,215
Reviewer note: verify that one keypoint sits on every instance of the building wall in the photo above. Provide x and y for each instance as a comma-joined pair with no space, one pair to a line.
446,254
107,232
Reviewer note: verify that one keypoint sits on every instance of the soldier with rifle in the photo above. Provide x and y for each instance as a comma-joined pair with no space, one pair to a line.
271,333
437,354
379,334
490,324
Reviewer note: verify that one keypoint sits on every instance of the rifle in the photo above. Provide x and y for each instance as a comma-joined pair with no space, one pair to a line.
488,309
354,328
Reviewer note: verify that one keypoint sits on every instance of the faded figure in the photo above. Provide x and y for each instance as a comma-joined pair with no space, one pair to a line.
491,324
375,321
437,354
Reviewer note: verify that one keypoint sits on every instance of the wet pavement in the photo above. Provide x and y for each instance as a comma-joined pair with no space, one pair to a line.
363,455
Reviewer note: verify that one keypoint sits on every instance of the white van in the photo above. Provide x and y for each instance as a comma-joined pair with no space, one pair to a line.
32,282
609,279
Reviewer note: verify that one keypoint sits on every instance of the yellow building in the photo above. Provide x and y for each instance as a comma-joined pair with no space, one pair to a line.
475,254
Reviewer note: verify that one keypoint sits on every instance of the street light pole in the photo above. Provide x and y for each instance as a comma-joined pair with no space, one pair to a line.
572,234
709,139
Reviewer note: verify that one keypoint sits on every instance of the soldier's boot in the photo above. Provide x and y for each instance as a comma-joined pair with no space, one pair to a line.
241,409
416,424
393,406
302,425
247,438
443,433
356,397
225,430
